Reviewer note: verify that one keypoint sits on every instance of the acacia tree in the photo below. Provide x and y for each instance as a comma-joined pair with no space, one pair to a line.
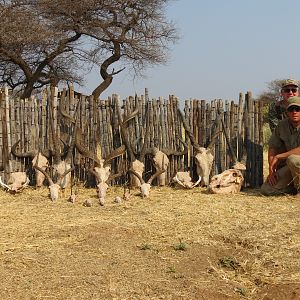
269,96
49,41
32,52
272,93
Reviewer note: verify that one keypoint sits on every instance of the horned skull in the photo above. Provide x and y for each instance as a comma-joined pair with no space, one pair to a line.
204,161
35,156
102,173
59,169
54,186
146,186
204,156
101,192
184,179
16,182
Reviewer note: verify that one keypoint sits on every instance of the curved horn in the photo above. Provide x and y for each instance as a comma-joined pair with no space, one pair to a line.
73,140
4,185
137,175
65,114
25,184
144,150
213,140
218,119
45,173
169,151
95,174
197,182
233,156
56,151
151,151
120,173
179,182
115,153
30,154
188,130
83,150
130,116
124,132
50,153
156,174
61,177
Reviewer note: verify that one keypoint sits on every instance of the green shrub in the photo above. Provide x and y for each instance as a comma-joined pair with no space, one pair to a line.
266,135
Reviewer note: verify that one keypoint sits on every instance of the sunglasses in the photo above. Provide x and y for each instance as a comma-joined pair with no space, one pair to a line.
288,90
293,108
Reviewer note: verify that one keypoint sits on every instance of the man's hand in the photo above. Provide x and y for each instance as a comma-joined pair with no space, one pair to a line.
273,178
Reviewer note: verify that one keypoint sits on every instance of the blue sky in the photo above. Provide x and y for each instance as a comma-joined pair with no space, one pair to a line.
226,47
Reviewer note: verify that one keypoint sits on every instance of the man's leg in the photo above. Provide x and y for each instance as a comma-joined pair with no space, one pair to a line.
293,162
284,184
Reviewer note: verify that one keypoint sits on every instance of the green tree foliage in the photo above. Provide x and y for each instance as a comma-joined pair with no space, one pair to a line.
271,94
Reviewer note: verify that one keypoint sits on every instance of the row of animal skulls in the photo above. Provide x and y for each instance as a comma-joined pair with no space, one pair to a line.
102,168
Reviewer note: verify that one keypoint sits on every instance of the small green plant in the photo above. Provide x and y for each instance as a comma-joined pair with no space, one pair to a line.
180,246
228,262
145,247
171,269
241,291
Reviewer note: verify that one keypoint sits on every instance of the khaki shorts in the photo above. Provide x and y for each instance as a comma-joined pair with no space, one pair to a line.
288,179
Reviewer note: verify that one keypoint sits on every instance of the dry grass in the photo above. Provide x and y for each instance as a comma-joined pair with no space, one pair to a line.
179,244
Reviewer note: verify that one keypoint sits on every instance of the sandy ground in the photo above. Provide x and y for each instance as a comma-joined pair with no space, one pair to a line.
178,244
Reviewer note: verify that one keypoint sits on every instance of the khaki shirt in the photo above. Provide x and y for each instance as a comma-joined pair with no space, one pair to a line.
285,136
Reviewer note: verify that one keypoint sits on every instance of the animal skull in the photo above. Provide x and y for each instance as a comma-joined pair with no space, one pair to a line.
101,191
204,161
54,190
103,171
35,156
17,181
60,169
228,182
54,187
184,179
204,156
146,186
145,189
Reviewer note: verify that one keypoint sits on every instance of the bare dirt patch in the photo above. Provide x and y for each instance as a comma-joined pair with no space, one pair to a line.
179,244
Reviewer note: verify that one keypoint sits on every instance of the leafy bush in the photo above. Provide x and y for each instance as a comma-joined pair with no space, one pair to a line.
267,134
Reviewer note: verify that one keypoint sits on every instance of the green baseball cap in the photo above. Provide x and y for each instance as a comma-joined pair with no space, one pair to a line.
293,101
287,82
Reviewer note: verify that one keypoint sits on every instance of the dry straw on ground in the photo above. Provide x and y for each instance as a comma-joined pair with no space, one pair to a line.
179,244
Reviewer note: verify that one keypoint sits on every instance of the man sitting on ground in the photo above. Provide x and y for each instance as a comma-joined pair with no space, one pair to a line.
284,153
